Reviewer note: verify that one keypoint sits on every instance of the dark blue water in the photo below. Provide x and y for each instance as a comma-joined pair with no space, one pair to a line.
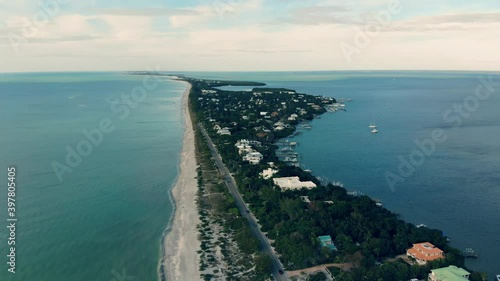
455,189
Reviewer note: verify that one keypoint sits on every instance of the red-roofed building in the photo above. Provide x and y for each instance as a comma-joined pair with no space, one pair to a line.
424,252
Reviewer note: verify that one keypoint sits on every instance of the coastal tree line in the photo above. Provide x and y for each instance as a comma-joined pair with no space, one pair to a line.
367,236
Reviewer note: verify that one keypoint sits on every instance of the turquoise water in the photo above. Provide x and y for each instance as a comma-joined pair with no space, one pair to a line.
455,189
106,218
104,221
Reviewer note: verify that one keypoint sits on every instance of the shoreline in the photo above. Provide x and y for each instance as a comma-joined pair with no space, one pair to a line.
180,260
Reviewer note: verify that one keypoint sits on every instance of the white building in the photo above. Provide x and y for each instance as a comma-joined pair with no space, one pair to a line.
268,173
279,128
245,149
247,142
224,131
292,183
253,157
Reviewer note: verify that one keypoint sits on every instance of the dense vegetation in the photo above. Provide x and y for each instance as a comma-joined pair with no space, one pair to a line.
368,237
226,239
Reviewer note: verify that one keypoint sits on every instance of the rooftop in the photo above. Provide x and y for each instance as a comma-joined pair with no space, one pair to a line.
424,252
450,273
326,241
293,183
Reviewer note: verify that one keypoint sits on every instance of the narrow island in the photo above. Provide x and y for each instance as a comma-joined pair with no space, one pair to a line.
261,215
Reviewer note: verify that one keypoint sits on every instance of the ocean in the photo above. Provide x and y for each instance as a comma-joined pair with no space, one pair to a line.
104,219
455,187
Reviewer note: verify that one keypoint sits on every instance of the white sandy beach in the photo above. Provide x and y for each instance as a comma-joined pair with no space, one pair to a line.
181,260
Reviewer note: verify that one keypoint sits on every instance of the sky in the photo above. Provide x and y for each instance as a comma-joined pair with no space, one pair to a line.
249,35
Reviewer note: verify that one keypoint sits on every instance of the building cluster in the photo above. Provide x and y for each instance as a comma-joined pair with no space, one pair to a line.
266,110
246,150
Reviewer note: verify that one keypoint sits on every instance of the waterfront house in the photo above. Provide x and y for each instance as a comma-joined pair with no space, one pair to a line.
450,273
424,252
292,183
326,241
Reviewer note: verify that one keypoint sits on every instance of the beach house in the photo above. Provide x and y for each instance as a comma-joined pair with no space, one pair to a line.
424,252
450,273
292,183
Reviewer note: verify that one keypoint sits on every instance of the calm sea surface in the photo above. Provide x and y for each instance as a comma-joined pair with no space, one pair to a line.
105,219
455,189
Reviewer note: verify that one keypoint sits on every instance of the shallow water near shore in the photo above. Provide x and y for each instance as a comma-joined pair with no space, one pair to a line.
105,219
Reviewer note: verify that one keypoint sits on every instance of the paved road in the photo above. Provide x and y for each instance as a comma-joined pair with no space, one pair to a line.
231,185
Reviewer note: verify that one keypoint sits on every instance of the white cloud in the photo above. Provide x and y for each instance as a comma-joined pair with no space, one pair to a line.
199,39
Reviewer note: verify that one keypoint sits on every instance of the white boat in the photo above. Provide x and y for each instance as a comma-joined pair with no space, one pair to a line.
421,225
498,277
374,131
372,126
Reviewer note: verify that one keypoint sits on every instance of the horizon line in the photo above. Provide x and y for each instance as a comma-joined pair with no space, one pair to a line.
245,71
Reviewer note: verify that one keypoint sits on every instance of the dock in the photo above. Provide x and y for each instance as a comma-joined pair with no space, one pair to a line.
470,253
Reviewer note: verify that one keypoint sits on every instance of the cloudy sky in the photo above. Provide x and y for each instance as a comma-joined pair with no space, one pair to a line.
225,35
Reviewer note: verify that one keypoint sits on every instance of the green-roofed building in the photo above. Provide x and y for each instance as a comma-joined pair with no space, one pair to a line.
326,241
450,273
